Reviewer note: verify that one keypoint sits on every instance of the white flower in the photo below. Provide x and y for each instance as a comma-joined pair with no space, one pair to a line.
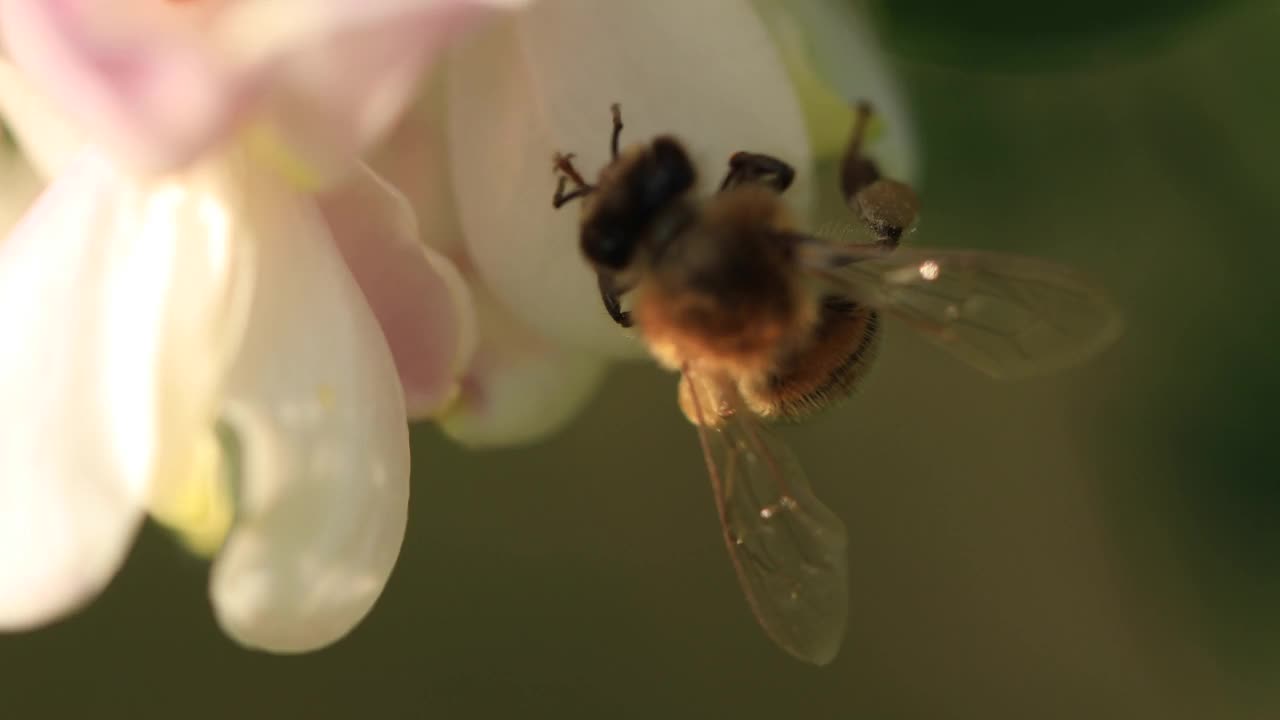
185,335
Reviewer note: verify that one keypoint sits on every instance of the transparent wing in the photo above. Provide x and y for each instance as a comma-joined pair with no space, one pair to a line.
1007,315
787,548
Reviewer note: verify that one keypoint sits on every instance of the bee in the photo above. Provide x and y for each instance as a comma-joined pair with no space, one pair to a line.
765,321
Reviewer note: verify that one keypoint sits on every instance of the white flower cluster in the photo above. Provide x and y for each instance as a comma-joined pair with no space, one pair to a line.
248,239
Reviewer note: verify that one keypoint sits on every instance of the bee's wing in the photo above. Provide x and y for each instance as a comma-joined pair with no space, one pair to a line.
1007,315
787,548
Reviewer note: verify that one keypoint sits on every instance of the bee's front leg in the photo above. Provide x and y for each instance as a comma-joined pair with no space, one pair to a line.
611,294
563,165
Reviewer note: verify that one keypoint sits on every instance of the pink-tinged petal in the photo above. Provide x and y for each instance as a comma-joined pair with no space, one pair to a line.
139,75
160,82
414,158
48,136
418,297
542,82
521,387
344,70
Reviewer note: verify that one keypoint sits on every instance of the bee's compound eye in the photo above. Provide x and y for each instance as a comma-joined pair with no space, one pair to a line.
606,247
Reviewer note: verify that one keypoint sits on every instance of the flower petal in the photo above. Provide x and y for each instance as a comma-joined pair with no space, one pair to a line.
543,82
344,71
67,511
114,329
160,82
414,158
520,387
141,75
420,300
318,416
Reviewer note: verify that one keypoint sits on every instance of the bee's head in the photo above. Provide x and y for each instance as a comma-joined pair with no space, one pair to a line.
630,197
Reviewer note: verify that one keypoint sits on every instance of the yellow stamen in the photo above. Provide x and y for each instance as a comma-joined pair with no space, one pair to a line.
199,507
265,145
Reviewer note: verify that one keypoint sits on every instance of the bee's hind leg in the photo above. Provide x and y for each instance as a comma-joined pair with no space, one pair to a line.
887,206
747,167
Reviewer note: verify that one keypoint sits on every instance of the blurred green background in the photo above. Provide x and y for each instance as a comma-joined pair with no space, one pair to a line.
1101,544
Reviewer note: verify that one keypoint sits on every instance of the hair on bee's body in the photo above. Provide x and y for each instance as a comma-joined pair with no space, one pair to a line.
723,292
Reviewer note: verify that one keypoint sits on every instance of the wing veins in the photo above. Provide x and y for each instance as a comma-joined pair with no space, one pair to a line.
801,604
